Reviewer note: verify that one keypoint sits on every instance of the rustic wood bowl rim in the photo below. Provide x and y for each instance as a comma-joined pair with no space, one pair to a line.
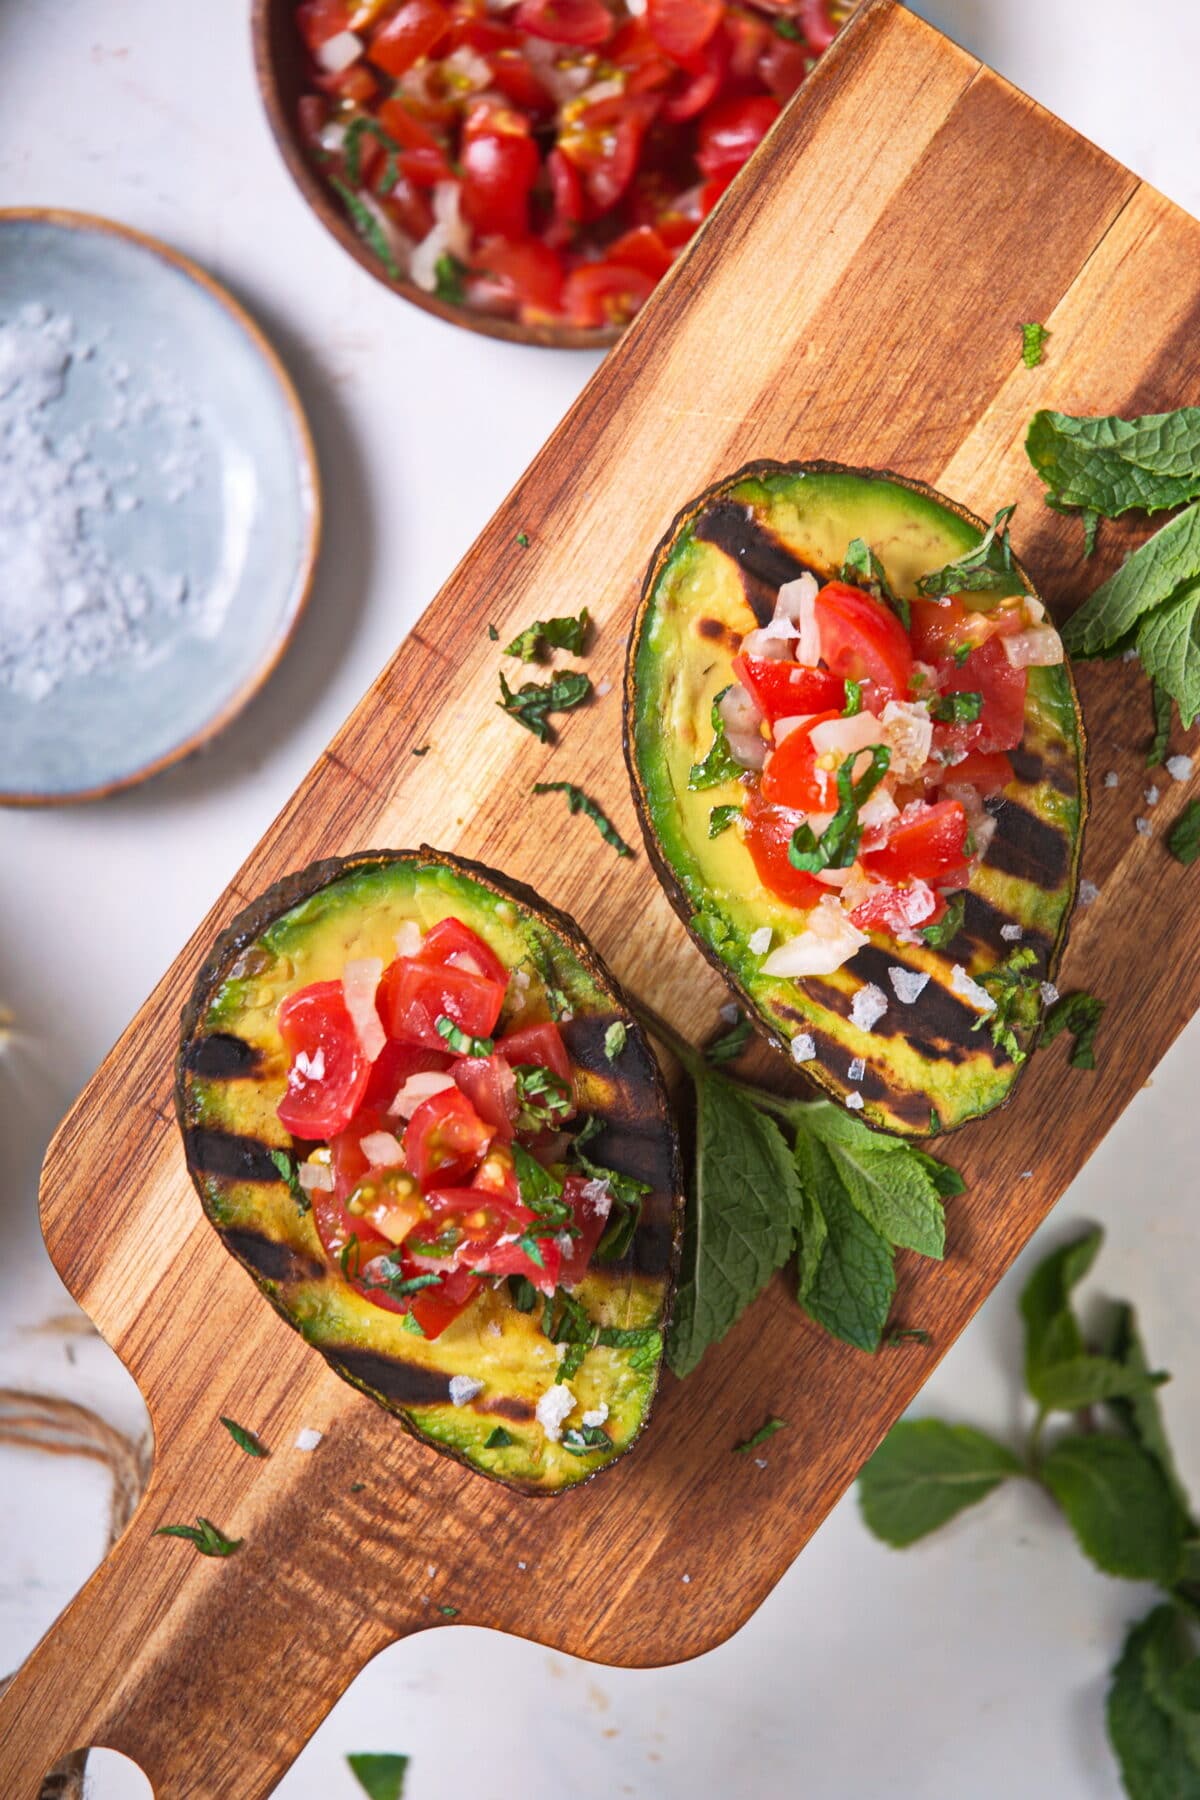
310,497
280,118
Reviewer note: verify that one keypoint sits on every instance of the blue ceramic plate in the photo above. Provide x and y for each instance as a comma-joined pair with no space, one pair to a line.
159,507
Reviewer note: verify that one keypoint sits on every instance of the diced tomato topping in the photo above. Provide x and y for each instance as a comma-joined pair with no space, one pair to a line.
696,87
590,1218
683,27
791,776
329,1073
491,1087
818,27
1002,688
453,943
422,157
445,1138
784,690
436,1307
566,193
497,1174
515,1259
604,142
642,248
783,65
942,627
392,1068
583,22
320,20
862,640
464,1223
637,55
538,1045
524,279
408,35
604,293
413,995
986,771
500,166
732,130
768,833
929,847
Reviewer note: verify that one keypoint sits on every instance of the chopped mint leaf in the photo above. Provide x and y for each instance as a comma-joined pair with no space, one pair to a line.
448,1612
493,634
1183,840
615,1039
924,1473
207,1537
449,280
499,1440
1015,987
765,1431
949,925
854,702
285,1162
579,802
381,1777
367,226
1079,1015
721,818
543,1098
988,568
837,846
533,701
1033,343
720,764
534,644
581,1440
523,541
862,568
731,1043
956,709
460,1041
358,128
905,1334
245,1440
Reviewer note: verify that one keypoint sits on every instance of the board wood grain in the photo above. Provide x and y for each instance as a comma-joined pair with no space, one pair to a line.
857,296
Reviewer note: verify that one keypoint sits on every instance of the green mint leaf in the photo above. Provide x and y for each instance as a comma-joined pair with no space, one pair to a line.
765,1431
925,1472
1183,840
1168,642
493,634
1160,743
1138,1413
1119,1506
720,764
285,1162
409,1322
380,1776
538,1185
534,644
786,29
1033,343
1115,465
531,703
499,1439
364,126
854,700
721,818
460,1041
1080,1381
1078,1014
615,1039
522,1293
862,568
367,226
544,1099
207,1537
449,282
581,1440
1152,575
645,1341
850,1290
988,568
949,925
905,1334
957,709
731,1043
838,844
738,1231
448,1612
883,1179
245,1440
1157,1756
578,802
1052,1331
1015,986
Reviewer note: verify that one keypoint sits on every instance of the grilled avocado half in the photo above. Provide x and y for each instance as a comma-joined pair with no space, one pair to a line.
231,1074
929,1066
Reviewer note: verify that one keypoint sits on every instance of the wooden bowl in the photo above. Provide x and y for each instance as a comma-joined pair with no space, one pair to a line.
280,65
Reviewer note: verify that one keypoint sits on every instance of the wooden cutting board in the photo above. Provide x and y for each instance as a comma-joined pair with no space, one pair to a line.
856,297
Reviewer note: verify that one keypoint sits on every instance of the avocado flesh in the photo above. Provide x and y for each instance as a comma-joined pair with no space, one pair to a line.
714,579
232,1071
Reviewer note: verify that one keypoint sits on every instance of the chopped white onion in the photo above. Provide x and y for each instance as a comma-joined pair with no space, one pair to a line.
382,1149
599,90
759,942
783,728
878,810
828,940
1037,647
908,733
419,1088
360,979
409,939
332,137
338,52
796,601
448,236
469,67
773,640
315,1178
841,737
743,727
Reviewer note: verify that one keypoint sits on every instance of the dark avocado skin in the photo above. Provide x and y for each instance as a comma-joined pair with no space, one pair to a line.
714,576
230,1076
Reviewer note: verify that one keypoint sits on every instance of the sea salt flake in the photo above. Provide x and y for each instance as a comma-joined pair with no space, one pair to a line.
857,1069
908,984
962,985
597,1414
308,1438
730,1013
1112,779
1049,993
868,1007
804,1047
1179,768
854,1102
1012,934
463,1388
1143,827
1089,893
1152,795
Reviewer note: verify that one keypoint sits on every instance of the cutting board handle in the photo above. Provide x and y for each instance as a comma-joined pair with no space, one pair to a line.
177,1660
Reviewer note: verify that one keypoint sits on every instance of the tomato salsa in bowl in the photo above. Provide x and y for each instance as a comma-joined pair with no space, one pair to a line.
528,168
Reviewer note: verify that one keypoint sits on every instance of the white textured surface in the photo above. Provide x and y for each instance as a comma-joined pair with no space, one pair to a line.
972,1667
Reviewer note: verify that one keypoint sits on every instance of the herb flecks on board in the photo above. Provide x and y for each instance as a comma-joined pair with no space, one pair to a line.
579,802
535,643
532,703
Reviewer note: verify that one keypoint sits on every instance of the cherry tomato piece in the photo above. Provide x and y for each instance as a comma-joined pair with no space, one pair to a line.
698,86
1002,689
455,944
566,195
436,1307
683,27
320,20
500,167
392,1068
783,65
928,847
791,776
863,640
988,772
783,690
524,279
642,248
414,995
325,1089
497,1174
587,23
605,142
767,836
731,131
408,35
539,1045
445,1138
603,293
590,1215
491,1087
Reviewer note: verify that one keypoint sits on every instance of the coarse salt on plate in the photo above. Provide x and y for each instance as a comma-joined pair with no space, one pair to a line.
970,991
868,1007
308,1438
908,984
463,1388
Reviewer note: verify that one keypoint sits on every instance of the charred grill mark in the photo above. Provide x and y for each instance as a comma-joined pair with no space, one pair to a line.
937,1024
273,1261
764,563
1032,767
508,1406
403,1383
982,922
654,1242
717,632
222,1057
228,1155
1027,847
